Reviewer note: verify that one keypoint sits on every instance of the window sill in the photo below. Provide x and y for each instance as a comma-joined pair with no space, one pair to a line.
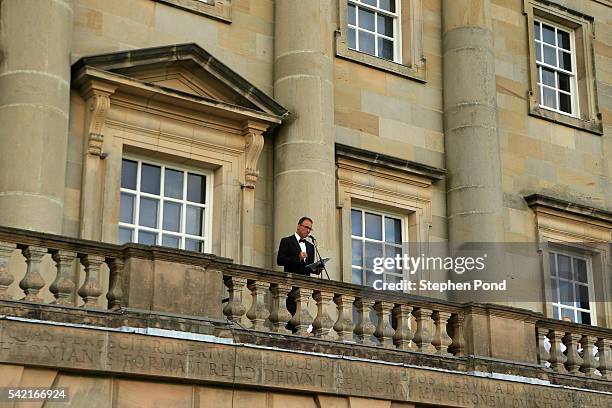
220,9
592,126
416,73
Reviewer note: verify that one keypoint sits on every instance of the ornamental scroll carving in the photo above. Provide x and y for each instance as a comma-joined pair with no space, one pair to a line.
97,97
254,142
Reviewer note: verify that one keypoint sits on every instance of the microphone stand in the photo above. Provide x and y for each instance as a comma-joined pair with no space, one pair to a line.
314,242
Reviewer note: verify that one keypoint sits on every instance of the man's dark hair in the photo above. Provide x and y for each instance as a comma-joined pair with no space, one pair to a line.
304,219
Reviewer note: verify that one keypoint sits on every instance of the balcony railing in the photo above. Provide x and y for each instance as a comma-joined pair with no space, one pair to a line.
96,276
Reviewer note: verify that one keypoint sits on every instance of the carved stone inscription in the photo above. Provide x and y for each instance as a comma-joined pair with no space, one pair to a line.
467,391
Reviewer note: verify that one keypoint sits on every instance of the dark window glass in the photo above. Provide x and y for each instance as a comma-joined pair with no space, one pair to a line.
564,266
366,42
372,250
356,228
550,98
536,30
357,249
147,238
352,18
125,235
357,276
129,171
388,5
148,212
549,34
565,103
554,290
580,270
373,226
564,82
127,208
196,188
172,216
173,184
385,25
150,179
385,48
352,41
170,241
193,245
563,40
582,296
393,230
366,19
548,77
585,317
550,55
565,60
193,223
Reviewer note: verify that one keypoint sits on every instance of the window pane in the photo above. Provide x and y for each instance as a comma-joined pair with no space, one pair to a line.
370,2
538,50
565,60
391,252
553,265
193,223
366,20
173,184
564,266
585,317
582,296
556,312
536,30
357,253
564,82
129,170
366,42
356,227
172,216
148,212
147,238
385,25
549,34
371,277
125,235
389,278
372,250
196,188
388,5
357,276
550,98
580,271
352,43
385,48
553,289
568,313
565,102
170,241
548,77
563,40
150,179
550,56
352,18
373,226
193,245
127,208
393,230
565,291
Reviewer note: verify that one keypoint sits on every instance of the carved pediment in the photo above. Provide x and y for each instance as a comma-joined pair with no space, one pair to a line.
187,70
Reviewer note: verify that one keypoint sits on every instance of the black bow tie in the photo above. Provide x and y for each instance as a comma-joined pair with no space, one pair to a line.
302,240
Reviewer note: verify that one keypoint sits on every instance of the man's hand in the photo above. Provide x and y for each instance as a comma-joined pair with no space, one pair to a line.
303,256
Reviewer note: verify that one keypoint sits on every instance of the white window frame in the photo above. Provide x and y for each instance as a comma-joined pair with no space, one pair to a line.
182,235
402,245
575,308
397,38
574,99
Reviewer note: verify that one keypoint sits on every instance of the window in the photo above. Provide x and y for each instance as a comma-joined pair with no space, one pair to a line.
218,9
570,278
374,235
373,27
164,205
555,60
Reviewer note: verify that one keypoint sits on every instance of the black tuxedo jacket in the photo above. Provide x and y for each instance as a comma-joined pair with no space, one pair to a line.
288,255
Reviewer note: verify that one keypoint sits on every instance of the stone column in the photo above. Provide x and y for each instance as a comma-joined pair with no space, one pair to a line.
35,43
304,169
470,123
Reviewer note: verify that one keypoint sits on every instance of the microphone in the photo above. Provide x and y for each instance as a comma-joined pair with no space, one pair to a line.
312,237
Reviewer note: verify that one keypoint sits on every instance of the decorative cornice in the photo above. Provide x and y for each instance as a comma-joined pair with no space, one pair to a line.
389,162
254,142
599,214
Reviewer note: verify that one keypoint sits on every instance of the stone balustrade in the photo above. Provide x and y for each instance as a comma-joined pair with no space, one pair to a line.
568,348
59,273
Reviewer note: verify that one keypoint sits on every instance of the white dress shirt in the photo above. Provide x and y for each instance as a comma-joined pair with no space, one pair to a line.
302,244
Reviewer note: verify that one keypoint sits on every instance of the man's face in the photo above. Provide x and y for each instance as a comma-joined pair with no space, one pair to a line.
304,228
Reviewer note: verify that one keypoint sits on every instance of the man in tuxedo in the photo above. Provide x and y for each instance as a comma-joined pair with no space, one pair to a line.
294,252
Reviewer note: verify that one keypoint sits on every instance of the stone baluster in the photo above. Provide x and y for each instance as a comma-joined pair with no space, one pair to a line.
422,337
441,340
302,319
90,291
574,361
604,352
115,290
63,285
588,357
384,331
33,282
323,323
403,334
280,315
557,358
235,308
365,328
6,277
258,313
543,355
457,347
344,324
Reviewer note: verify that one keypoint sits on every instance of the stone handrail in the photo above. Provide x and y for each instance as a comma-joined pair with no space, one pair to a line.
575,349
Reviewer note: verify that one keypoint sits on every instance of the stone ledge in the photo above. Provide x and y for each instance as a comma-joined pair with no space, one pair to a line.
595,213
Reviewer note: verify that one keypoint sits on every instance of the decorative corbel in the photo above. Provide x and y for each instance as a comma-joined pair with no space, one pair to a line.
97,98
254,141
